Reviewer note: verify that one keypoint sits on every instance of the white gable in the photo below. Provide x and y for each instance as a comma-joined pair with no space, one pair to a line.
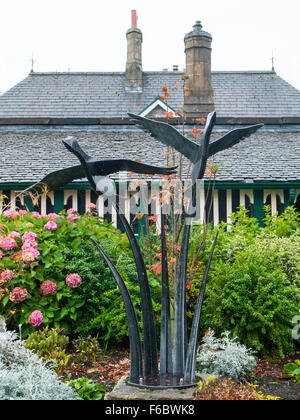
158,107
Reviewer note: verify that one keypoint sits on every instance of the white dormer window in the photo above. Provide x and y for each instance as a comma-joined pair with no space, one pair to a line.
158,109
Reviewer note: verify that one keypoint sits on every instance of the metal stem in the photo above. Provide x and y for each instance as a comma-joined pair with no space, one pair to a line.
180,323
190,367
166,365
149,331
136,364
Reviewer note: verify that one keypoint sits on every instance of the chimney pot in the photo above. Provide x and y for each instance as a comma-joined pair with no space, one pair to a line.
133,19
197,26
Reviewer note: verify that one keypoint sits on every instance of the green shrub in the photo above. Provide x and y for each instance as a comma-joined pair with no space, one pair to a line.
285,224
87,389
293,370
109,318
86,348
252,299
253,287
50,345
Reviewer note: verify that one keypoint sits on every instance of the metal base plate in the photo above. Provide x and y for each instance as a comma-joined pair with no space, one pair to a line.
160,382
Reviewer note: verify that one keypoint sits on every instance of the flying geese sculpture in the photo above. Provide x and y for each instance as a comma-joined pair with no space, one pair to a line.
95,170
196,153
184,353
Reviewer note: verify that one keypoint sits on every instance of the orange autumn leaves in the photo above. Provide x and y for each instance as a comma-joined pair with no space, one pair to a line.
165,93
156,267
164,97
170,114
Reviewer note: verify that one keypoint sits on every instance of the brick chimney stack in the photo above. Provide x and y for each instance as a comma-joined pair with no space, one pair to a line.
199,99
134,73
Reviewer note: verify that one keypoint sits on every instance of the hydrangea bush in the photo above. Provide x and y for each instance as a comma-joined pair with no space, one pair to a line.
24,376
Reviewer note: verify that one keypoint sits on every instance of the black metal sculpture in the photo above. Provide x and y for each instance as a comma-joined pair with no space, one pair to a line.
96,171
177,364
184,354
197,154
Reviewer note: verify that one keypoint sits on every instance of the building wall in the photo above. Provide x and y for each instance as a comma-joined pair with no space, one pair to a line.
221,203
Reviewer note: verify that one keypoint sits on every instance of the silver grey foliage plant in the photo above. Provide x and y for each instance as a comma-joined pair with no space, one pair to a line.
224,357
24,376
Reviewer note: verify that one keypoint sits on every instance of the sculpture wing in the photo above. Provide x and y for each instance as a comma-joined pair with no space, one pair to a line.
58,179
115,165
168,135
232,138
210,122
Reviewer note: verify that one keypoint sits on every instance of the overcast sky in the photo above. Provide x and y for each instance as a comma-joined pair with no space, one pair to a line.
90,35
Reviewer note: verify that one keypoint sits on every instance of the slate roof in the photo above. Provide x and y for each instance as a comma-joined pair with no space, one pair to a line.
27,155
102,95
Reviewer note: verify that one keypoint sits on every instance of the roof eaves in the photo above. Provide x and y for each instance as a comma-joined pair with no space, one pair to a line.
125,121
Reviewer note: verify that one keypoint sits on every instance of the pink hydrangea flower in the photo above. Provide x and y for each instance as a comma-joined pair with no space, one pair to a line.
10,213
29,247
48,288
29,240
50,225
53,216
6,276
29,254
36,214
73,280
71,211
8,243
72,217
23,212
1,255
91,206
36,318
29,237
18,295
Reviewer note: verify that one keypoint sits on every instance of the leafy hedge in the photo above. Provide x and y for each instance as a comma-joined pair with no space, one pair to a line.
254,281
